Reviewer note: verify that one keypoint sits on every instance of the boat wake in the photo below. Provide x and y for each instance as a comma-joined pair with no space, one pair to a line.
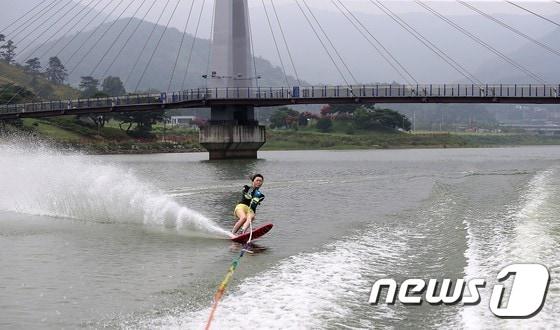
40,180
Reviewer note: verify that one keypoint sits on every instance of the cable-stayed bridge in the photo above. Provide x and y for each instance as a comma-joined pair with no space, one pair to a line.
232,90
277,96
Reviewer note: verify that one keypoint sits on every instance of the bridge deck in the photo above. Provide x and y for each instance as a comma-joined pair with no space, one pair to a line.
276,96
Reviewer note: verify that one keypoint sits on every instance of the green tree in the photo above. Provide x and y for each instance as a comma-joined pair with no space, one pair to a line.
305,117
56,72
44,90
142,119
89,86
369,118
326,111
393,119
100,119
8,51
2,37
324,124
343,108
33,65
100,95
113,86
15,94
362,119
283,117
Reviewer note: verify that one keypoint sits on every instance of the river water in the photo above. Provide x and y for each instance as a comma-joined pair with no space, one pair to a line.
139,241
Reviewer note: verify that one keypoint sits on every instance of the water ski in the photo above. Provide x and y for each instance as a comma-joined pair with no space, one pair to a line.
257,232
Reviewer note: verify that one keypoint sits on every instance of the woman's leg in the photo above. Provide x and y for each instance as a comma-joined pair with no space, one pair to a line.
250,218
242,218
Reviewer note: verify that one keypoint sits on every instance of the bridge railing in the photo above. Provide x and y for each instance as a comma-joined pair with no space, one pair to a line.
379,90
297,92
90,103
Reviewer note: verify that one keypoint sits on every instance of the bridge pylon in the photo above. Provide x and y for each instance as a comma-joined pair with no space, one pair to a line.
232,131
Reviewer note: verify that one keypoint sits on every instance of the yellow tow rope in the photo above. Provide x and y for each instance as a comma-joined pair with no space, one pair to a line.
223,286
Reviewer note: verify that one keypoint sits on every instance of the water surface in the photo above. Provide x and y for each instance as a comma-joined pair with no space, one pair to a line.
139,241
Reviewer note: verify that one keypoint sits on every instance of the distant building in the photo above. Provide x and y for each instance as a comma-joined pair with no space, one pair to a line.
183,121
544,129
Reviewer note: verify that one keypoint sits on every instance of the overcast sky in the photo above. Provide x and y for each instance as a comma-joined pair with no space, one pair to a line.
450,7
161,11
296,26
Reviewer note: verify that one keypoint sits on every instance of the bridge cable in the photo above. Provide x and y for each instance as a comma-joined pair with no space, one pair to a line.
93,32
117,37
21,88
72,39
426,42
108,16
330,42
11,83
82,29
88,52
157,45
44,21
193,44
253,54
482,43
25,25
519,33
41,56
180,45
372,44
92,9
142,20
532,12
84,7
285,42
211,38
12,23
322,43
146,43
49,24
275,44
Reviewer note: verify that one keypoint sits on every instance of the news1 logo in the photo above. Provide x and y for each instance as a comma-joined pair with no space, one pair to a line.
526,296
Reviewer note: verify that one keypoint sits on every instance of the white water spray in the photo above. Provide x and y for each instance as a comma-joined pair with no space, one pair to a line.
38,180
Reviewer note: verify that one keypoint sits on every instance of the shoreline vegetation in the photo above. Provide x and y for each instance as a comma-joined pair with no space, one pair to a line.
335,127
66,133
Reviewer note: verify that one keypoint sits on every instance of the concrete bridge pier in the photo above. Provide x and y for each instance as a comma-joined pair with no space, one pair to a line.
233,131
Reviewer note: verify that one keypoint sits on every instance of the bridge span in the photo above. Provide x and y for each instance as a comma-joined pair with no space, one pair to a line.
277,96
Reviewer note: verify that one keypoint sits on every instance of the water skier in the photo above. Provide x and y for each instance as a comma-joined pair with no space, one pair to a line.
246,209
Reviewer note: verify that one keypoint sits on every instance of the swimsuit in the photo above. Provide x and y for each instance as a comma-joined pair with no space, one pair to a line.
251,198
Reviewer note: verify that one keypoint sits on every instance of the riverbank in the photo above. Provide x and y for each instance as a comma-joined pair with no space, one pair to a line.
291,140
66,133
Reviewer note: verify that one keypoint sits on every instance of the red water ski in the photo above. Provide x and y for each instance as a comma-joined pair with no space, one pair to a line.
257,232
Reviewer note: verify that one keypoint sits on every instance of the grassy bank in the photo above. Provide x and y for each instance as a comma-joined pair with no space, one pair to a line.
67,132
292,140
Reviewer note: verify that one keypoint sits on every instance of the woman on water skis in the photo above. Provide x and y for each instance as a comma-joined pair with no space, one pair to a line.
246,209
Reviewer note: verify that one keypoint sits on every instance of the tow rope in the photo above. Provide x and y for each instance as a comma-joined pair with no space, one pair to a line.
223,286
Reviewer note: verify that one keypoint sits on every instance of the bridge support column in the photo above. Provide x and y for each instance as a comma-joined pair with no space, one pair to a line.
232,141
233,131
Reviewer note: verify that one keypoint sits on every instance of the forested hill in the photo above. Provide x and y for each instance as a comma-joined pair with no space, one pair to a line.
159,71
14,77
